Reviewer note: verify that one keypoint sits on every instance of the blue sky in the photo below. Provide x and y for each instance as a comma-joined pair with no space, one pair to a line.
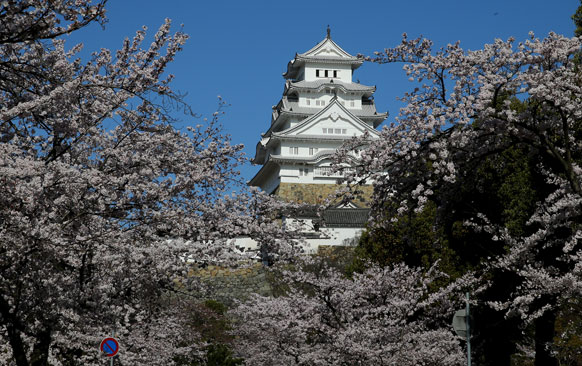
239,49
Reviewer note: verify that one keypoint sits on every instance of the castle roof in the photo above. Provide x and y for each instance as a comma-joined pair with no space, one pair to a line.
346,217
288,106
303,131
293,131
326,51
293,107
310,160
321,84
337,216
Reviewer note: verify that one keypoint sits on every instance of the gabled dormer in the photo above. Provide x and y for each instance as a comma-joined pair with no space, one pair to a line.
326,60
326,48
334,123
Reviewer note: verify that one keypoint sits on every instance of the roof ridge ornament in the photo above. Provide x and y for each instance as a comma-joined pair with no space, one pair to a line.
328,32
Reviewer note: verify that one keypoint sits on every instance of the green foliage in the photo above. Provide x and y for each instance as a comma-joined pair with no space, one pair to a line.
508,181
216,355
221,355
216,306
415,238
338,257
209,320
279,287
567,345
568,339
577,18
504,186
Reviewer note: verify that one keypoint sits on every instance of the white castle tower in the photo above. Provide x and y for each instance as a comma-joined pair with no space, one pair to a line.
321,107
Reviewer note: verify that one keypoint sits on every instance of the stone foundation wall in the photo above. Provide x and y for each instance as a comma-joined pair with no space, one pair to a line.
226,284
317,193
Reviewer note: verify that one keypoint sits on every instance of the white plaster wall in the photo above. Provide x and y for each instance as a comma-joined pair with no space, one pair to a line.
344,71
340,121
294,178
290,174
303,225
340,124
312,97
288,171
303,146
335,237
332,237
308,99
352,97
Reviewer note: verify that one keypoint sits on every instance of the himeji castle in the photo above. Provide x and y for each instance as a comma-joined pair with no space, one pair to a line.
321,107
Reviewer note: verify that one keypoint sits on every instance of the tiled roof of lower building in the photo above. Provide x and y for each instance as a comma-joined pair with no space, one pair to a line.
346,217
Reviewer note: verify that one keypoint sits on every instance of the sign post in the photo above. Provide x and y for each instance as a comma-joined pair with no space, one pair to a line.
462,326
467,321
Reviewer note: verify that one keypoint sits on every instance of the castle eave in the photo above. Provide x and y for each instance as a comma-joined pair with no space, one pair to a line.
318,85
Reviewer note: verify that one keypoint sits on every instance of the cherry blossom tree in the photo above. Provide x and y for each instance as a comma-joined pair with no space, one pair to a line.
97,182
383,316
466,106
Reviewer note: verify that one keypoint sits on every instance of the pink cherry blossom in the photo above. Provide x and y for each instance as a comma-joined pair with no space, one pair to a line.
104,203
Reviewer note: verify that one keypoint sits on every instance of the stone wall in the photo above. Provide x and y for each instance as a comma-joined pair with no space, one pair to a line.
317,193
227,284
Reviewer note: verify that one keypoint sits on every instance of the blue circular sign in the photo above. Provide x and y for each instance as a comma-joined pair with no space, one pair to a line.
109,346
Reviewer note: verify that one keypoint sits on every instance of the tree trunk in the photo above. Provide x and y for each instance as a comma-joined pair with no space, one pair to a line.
543,338
40,352
14,339
18,352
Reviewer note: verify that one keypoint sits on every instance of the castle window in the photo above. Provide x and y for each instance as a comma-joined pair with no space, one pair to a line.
352,103
317,73
313,150
335,73
303,171
331,131
326,73
293,150
307,101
